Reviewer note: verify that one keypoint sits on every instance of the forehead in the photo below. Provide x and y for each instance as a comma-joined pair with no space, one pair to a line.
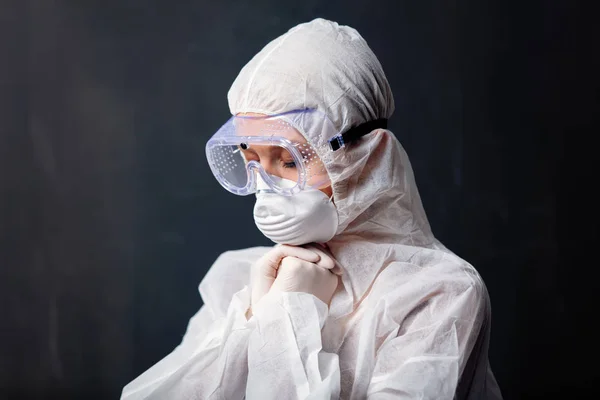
253,124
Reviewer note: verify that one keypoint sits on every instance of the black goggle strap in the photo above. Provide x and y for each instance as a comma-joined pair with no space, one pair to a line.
355,133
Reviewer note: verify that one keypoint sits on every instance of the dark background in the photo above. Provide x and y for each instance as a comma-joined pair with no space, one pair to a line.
109,216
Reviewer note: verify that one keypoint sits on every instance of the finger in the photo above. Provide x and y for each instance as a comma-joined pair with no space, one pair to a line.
326,261
280,252
337,270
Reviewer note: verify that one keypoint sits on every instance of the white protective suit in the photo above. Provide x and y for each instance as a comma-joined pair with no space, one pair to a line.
409,320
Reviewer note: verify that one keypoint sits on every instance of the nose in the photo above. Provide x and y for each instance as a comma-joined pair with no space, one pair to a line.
261,163
269,169
256,167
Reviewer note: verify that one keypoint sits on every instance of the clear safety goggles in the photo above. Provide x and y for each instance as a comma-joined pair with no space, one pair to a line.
272,147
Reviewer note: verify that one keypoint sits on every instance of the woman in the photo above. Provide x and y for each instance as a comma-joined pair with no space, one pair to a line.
358,299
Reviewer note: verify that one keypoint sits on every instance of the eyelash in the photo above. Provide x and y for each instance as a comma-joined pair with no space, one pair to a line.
253,157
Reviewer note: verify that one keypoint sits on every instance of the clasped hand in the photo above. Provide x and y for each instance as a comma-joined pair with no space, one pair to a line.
295,269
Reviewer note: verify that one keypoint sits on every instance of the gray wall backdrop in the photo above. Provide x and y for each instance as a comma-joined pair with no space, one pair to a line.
110,217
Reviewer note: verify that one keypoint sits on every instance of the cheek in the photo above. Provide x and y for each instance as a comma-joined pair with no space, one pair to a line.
288,173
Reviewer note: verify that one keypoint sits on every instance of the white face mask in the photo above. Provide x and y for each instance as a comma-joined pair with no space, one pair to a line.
308,216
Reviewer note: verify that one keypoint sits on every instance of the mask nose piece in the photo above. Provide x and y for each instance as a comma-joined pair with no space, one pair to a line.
264,208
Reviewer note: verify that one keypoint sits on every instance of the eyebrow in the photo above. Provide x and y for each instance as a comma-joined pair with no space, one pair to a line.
272,149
